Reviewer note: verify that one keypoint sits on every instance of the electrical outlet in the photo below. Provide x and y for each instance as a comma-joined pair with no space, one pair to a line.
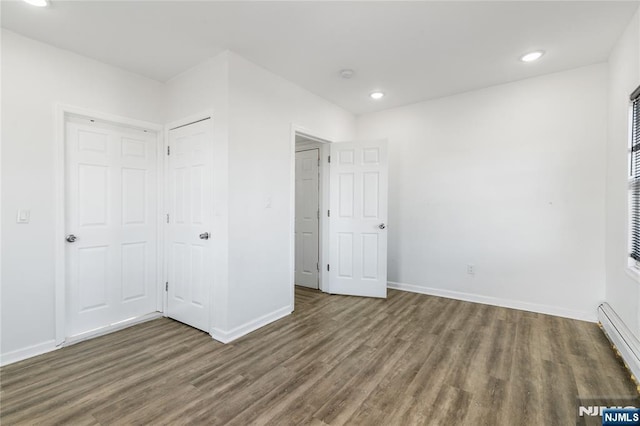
471,270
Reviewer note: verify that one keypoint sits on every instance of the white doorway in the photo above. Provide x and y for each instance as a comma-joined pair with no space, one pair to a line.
351,211
189,248
110,225
307,230
312,154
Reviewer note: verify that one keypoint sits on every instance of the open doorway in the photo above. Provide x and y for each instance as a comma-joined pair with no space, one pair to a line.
351,216
311,192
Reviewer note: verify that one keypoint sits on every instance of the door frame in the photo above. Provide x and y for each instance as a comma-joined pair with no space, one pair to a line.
185,121
323,223
61,112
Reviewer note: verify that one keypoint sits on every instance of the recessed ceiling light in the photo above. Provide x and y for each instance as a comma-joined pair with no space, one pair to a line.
377,95
532,56
38,3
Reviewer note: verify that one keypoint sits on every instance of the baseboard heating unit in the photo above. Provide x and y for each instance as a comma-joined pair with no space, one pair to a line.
621,338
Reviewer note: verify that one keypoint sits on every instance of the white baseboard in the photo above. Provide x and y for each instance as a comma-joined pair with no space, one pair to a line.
28,352
236,333
621,337
495,301
48,346
72,340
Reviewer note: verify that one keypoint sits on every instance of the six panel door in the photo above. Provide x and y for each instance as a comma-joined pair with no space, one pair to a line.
189,249
306,229
357,222
111,209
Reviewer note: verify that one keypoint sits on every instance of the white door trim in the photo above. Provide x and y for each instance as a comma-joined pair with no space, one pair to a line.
323,145
203,115
61,112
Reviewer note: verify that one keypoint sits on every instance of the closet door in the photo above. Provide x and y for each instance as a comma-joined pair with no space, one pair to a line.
111,215
189,245
307,218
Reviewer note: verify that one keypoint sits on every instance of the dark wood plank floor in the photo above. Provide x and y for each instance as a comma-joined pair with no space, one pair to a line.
410,359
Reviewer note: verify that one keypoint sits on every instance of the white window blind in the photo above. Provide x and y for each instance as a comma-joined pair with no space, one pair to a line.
634,172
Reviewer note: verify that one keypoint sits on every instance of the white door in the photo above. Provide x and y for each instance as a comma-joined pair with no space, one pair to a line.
357,220
111,216
307,205
189,247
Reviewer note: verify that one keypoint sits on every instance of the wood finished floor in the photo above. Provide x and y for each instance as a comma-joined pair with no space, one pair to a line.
410,359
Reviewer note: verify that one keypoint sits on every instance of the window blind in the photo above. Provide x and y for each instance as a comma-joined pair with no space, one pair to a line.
634,181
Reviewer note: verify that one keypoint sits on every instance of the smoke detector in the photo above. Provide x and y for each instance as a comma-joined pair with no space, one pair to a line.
346,73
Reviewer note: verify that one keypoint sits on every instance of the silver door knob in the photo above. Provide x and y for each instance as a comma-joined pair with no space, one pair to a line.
71,238
382,226
204,236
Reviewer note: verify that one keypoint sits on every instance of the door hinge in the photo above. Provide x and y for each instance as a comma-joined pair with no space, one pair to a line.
167,217
166,286
318,266
329,159
318,213
328,267
168,150
328,213
318,161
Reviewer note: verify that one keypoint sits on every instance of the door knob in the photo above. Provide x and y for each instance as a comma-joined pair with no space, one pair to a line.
71,238
204,236
382,226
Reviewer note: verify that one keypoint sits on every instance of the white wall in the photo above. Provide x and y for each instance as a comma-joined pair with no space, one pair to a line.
35,77
205,88
201,88
622,291
263,107
509,179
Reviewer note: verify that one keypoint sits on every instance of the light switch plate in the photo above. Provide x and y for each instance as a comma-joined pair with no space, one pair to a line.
23,216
